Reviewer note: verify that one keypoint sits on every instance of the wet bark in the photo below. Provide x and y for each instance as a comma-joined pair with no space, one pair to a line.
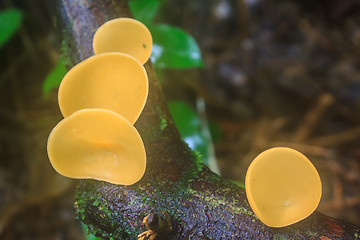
178,198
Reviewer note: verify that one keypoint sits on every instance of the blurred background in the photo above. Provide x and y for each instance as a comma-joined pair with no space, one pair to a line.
284,73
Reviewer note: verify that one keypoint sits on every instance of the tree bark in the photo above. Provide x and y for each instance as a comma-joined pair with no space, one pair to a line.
178,197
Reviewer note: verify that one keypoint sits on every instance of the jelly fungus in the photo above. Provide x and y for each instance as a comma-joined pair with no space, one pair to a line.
97,144
124,35
282,187
113,81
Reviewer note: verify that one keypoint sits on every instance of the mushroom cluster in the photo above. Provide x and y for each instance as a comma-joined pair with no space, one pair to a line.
282,186
101,98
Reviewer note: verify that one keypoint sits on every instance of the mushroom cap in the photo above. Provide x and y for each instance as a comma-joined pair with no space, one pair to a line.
97,144
113,81
124,35
282,186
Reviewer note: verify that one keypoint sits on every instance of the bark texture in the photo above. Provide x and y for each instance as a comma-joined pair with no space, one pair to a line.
178,198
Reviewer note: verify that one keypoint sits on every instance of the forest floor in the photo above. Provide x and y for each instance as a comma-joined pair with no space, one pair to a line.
284,74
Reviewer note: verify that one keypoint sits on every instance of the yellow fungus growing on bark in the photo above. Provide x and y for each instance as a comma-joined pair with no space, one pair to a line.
113,81
97,144
282,186
124,35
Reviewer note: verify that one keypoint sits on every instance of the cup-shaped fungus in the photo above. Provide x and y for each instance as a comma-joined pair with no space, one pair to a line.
282,187
97,144
113,81
124,35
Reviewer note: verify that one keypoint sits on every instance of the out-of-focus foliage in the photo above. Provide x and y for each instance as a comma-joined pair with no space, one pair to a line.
10,21
53,79
189,126
144,10
172,47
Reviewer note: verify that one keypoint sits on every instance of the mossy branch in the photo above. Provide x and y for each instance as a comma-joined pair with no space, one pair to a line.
178,198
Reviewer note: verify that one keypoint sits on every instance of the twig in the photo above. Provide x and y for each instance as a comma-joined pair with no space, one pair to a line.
337,138
313,117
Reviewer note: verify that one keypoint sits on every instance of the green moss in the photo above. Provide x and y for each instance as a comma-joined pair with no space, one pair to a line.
279,237
190,175
223,203
313,234
108,214
65,52
157,130
198,159
239,184
96,203
163,124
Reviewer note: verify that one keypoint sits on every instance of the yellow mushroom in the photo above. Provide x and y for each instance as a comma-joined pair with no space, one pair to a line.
113,81
124,35
97,144
282,186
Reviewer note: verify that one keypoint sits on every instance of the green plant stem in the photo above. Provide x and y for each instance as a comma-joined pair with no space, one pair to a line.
178,198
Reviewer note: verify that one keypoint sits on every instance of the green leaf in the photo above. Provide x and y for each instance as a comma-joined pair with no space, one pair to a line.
185,118
189,126
10,20
53,79
215,131
174,48
144,10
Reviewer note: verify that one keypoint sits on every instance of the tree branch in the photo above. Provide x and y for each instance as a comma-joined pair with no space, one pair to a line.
178,198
